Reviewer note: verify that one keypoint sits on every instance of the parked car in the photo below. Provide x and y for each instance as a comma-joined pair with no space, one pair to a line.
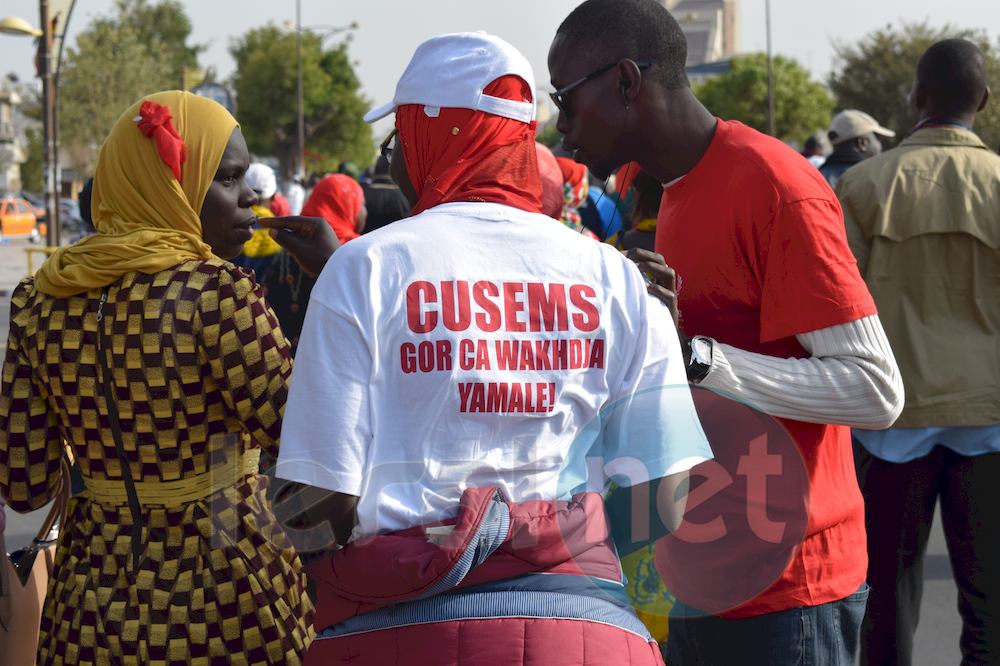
18,220
37,203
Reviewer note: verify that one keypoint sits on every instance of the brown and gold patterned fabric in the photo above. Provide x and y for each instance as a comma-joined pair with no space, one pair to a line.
200,372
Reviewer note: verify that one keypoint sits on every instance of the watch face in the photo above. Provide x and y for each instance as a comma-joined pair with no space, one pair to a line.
701,350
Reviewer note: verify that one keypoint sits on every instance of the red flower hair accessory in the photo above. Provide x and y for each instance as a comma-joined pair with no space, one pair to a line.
154,120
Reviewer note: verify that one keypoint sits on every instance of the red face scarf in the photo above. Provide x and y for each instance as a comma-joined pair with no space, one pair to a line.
466,155
338,200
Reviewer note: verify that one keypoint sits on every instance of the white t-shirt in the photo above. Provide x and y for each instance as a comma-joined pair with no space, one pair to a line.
473,345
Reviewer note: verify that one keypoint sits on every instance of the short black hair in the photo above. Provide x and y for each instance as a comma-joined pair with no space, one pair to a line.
952,74
636,29
381,166
84,198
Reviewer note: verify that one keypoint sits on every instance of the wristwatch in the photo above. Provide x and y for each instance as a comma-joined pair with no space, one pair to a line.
700,362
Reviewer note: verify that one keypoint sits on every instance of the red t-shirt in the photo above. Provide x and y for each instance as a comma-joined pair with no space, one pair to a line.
757,239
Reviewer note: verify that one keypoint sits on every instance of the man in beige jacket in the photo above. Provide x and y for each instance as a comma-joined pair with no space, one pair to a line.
923,220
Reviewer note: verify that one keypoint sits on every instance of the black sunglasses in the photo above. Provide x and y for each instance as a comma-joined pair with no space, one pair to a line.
386,148
559,96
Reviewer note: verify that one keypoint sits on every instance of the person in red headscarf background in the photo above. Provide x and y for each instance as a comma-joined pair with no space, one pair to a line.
389,421
552,182
340,201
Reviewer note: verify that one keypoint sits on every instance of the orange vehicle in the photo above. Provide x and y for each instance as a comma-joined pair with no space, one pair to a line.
17,219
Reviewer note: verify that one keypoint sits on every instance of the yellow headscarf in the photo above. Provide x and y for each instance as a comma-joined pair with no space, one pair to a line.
146,221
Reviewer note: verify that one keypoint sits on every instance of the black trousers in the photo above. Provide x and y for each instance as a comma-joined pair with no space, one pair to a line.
900,500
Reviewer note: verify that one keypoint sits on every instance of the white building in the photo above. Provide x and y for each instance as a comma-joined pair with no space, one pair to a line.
712,28
11,155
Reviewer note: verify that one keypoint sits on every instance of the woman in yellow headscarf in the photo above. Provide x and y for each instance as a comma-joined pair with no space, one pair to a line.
165,371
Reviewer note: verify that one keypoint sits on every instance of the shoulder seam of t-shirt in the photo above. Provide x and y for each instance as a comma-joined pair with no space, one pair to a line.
316,296
826,200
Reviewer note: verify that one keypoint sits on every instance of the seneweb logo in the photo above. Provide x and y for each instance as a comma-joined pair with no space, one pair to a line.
719,540
745,511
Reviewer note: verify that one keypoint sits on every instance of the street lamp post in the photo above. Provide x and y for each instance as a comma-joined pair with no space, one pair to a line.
327,31
49,162
301,171
50,115
770,72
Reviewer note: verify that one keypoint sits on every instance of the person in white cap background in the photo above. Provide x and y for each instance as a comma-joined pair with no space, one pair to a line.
408,408
855,137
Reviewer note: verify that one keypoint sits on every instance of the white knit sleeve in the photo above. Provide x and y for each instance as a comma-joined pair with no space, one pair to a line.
851,378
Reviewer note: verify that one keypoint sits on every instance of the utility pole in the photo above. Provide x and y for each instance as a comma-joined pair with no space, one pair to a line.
770,72
302,112
50,160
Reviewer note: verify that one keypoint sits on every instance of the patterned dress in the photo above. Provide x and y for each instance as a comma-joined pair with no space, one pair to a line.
200,373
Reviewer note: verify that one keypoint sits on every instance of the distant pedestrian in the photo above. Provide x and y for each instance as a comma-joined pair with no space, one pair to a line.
296,196
340,201
84,199
385,203
855,137
260,251
646,194
923,222
816,148
552,181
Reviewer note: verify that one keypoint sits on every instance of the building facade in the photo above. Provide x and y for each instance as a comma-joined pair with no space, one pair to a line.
11,155
712,28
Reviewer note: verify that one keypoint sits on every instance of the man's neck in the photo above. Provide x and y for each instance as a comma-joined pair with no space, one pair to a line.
677,136
847,153
933,117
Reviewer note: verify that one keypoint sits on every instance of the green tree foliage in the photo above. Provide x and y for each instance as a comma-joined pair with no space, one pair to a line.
876,75
136,50
166,24
801,106
266,87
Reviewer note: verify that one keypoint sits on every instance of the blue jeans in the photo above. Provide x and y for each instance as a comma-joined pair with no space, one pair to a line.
824,635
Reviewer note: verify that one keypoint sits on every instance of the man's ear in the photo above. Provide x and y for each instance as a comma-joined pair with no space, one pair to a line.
986,98
629,80
862,143
918,98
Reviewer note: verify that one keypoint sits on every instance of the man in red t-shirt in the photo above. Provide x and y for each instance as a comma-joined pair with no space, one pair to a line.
770,294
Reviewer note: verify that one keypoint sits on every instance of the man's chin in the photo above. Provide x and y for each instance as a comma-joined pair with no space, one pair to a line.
599,167
595,167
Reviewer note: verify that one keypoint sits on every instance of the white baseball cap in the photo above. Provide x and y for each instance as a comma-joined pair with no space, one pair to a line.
851,124
451,71
262,180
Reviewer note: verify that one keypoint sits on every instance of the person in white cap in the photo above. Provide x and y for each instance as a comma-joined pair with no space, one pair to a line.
465,379
855,137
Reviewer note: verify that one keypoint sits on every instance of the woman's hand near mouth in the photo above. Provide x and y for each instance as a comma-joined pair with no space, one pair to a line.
310,240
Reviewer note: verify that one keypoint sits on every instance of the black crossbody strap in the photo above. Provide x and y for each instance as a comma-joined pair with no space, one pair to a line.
116,431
